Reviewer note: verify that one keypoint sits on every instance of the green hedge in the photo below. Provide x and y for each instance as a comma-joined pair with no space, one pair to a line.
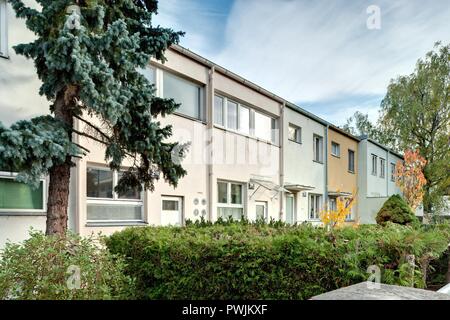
245,261
396,210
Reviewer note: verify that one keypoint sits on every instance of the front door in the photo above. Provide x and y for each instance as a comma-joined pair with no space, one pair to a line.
172,211
290,210
261,210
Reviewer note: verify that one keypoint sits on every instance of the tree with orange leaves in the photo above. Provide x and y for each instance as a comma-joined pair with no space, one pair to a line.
409,177
335,218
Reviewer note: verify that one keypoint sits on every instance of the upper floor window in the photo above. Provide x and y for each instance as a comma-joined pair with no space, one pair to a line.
232,115
393,172
295,133
351,160
382,168
218,111
3,29
188,94
318,148
335,149
374,164
104,204
20,197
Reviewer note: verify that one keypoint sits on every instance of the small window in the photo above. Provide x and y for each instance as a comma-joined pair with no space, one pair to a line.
393,172
351,160
184,92
335,149
318,148
244,120
382,168
315,206
374,165
231,200
17,196
218,111
3,30
232,115
295,133
170,205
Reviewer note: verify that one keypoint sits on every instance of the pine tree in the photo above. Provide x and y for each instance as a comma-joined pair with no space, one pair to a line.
87,54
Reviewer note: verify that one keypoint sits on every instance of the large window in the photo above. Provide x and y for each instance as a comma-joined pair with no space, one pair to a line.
382,167
318,148
393,172
103,204
315,206
295,133
3,29
374,165
351,160
230,198
19,197
237,117
188,94
335,149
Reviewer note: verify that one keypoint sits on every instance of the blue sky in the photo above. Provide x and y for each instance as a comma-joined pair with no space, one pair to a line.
319,54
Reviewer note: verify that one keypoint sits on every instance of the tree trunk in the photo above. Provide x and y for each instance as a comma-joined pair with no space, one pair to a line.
447,277
58,190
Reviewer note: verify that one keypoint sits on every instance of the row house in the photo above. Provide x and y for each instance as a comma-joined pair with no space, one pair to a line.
252,154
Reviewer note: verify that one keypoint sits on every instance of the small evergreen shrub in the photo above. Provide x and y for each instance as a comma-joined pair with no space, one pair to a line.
396,210
45,267
242,260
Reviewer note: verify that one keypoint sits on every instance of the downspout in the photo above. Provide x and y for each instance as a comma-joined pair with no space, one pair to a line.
281,143
386,169
210,140
327,128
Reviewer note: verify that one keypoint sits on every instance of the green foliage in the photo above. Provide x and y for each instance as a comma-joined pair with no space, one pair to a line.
260,261
39,268
93,71
396,210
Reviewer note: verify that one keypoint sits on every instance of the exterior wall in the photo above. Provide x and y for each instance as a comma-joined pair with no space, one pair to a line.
299,166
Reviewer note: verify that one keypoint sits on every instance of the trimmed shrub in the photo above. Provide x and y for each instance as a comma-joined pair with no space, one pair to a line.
46,267
259,261
396,210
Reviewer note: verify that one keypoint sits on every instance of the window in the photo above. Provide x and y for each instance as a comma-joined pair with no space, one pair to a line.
335,149
104,204
232,115
218,111
318,148
149,73
188,94
382,167
374,164
393,172
3,30
332,203
295,133
20,197
244,120
315,206
263,126
351,160
231,200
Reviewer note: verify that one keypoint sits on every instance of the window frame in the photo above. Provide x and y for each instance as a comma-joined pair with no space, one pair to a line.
3,29
317,213
13,176
228,204
338,154
321,158
374,159
115,200
382,168
297,131
350,151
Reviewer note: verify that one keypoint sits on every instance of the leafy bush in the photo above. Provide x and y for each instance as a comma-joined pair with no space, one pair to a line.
259,261
396,210
45,267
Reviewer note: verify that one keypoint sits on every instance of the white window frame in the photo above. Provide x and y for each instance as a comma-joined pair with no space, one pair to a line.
338,146
12,176
320,154
251,125
374,159
3,29
266,209
317,212
298,133
393,167
382,168
348,164
115,200
229,204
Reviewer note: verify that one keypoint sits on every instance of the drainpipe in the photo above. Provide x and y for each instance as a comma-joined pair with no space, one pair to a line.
386,173
210,136
281,143
327,128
